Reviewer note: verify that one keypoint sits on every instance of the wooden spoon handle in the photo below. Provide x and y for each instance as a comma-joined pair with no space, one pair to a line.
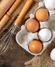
6,17
23,12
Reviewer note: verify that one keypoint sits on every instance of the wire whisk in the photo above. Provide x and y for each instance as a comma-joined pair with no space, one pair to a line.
6,40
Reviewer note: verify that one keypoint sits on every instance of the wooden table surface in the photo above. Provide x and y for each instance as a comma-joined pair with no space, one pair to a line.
15,56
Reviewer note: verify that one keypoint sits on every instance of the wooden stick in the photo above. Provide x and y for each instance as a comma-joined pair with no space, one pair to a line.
9,13
4,6
23,12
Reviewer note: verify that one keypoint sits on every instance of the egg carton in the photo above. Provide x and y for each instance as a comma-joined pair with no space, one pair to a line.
23,37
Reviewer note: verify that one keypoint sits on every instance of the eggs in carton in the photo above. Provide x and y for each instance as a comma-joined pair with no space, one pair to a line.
50,5
35,35
29,40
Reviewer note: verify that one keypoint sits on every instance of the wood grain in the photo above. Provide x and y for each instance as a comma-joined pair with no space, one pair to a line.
7,16
16,56
4,6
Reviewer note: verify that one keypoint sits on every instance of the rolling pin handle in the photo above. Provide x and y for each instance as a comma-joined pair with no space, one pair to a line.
23,12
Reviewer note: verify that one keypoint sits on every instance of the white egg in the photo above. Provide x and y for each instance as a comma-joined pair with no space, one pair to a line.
45,34
52,54
50,4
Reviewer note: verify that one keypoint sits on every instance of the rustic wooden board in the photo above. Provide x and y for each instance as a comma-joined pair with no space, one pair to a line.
15,56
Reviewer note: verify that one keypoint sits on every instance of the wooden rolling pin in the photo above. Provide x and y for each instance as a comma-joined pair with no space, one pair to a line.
23,12
4,6
6,17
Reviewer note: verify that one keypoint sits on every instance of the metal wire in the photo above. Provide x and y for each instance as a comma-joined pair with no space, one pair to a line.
6,40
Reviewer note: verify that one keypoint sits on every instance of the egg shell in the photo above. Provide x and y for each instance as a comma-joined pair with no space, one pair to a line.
42,14
32,25
35,46
45,34
50,4
52,54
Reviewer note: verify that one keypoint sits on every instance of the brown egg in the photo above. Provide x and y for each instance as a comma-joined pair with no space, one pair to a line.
32,25
42,14
35,46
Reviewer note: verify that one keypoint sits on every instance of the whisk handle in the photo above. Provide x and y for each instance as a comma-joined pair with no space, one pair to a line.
23,12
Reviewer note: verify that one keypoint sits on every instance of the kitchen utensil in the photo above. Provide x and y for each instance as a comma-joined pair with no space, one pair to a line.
7,38
10,22
4,6
7,16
